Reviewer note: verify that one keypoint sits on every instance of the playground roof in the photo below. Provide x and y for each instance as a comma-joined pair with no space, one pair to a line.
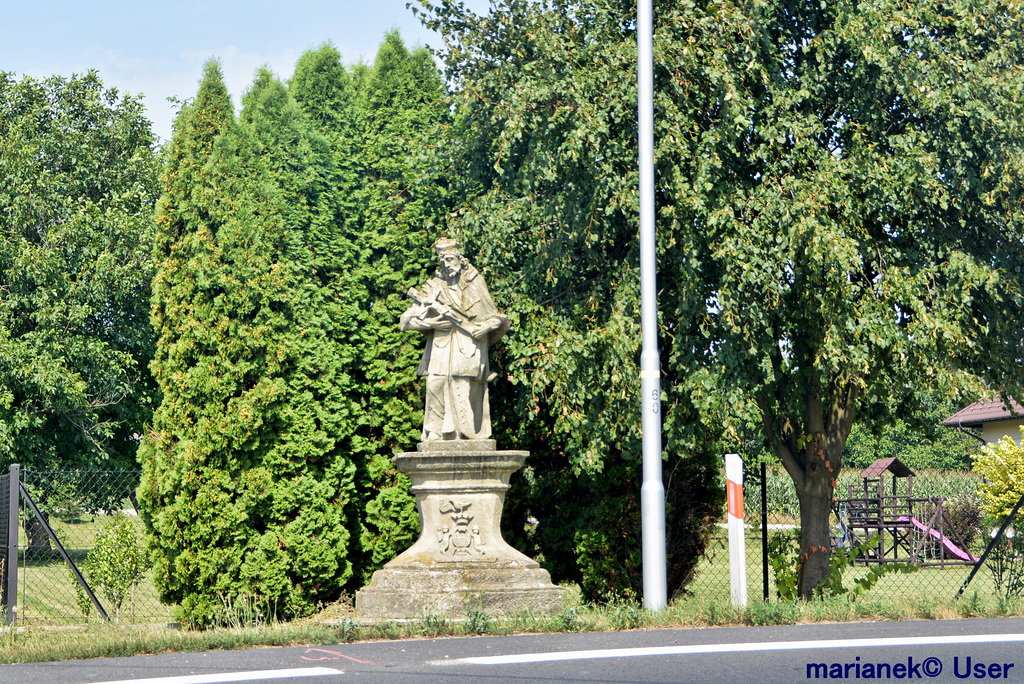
893,465
986,411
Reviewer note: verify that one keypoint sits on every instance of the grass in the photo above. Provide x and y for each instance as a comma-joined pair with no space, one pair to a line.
337,625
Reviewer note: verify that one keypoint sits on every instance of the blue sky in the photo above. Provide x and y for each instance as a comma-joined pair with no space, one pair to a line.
157,49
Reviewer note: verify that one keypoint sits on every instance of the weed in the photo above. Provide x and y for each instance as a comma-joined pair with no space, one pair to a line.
477,621
717,612
626,615
568,619
759,613
435,625
971,606
346,630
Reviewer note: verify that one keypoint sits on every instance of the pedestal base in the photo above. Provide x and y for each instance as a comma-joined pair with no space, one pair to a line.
415,593
460,563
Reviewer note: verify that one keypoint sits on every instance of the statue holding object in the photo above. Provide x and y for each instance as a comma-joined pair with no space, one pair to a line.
458,475
455,311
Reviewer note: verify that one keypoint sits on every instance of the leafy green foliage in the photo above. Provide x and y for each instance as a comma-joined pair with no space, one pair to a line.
78,182
839,217
247,482
920,443
1002,466
964,517
1006,564
116,563
784,558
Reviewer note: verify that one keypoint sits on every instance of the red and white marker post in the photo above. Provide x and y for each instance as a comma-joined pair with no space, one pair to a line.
737,541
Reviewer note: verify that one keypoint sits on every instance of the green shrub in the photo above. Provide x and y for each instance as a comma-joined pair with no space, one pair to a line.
115,565
963,514
247,486
1002,465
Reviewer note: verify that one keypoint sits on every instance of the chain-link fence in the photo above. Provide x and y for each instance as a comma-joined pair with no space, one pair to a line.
937,527
80,554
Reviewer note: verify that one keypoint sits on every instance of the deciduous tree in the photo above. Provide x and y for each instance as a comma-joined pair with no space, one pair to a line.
839,214
78,184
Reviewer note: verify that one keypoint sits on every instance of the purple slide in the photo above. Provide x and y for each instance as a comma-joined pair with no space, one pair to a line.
951,548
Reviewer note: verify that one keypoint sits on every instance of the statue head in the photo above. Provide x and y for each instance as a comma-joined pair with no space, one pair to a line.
452,261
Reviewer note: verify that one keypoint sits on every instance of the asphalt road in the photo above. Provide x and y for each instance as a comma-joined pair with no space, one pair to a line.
941,651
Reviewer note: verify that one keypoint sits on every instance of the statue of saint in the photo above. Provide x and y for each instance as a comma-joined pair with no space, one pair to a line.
455,312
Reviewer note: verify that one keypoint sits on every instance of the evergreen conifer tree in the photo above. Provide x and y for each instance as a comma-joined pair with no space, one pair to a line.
402,202
246,477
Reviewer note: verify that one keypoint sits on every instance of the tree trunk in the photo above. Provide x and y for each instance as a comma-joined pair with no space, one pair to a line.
814,466
38,540
815,533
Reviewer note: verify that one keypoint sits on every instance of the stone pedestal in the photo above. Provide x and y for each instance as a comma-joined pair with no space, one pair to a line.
460,562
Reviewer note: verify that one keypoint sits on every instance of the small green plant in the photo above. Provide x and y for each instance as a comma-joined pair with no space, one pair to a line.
1006,563
568,619
783,550
83,602
435,625
116,563
477,621
972,606
965,517
346,630
843,559
244,611
626,614
759,613
782,556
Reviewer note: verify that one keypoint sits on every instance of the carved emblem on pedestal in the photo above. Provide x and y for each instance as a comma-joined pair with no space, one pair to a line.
458,539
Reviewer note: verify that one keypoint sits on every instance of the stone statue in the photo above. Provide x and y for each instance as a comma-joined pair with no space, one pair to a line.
455,312
457,474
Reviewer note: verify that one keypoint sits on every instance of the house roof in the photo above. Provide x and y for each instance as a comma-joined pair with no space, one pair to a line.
986,411
893,465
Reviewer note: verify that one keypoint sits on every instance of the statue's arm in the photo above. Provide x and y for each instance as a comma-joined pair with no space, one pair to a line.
417,318
488,324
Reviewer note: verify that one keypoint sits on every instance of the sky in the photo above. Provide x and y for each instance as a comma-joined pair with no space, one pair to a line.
157,49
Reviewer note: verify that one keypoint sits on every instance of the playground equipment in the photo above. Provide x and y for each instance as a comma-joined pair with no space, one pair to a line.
909,529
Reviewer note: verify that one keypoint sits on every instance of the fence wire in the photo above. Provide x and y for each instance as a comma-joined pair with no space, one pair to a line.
944,560
93,515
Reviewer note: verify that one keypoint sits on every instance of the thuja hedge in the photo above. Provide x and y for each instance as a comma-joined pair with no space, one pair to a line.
246,478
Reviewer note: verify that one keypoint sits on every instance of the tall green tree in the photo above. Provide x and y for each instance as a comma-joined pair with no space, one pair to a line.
402,200
838,213
78,183
247,478
544,150
326,92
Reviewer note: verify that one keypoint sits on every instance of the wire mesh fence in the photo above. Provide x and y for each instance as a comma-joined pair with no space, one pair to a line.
937,527
80,551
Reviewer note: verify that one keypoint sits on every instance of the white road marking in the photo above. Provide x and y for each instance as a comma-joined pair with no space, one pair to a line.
235,676
732,648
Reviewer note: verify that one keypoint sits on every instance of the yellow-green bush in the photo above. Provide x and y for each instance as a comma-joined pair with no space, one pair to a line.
1002,465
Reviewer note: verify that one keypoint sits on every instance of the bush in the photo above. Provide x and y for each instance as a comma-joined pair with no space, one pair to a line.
115,565
1002,465
964,516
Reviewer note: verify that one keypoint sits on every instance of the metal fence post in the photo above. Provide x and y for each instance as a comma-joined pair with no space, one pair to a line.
11,564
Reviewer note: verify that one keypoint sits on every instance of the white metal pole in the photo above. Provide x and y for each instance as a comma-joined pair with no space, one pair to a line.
652,492
737,538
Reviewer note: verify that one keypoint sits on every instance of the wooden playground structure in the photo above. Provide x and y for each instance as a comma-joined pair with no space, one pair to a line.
909,529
